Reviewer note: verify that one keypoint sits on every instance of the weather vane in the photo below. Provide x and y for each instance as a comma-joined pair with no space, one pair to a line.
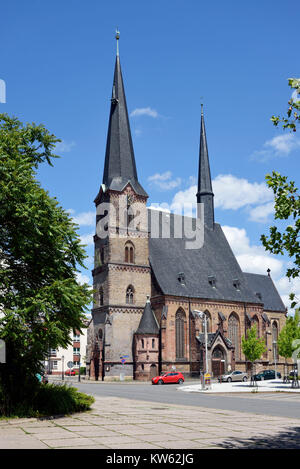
201,97
117,38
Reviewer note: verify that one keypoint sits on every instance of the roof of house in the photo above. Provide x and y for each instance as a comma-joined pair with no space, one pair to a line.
189,272
263,286
169,257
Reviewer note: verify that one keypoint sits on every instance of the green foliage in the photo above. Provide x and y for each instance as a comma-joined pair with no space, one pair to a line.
287,207
287,335
252,346
292,116
40,298
50,400
287,200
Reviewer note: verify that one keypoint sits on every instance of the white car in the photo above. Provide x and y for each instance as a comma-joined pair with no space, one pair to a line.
235,376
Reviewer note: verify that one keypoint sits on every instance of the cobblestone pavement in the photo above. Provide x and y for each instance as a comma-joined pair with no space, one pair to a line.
116,423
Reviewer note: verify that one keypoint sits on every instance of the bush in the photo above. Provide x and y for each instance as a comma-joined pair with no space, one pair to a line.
53,399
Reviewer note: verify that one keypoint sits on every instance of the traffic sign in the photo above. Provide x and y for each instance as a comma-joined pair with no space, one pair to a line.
70,364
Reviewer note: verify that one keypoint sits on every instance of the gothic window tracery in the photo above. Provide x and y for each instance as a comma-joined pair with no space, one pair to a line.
180,334
130,295
234,333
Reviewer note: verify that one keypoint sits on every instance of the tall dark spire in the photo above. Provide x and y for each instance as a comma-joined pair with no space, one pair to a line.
119,167
205,194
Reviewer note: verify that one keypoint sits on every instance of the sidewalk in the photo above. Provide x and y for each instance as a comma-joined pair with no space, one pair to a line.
116,423
274,385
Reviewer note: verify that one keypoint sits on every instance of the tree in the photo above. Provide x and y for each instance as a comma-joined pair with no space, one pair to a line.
286,337
292,118
40,251
287,199
253,347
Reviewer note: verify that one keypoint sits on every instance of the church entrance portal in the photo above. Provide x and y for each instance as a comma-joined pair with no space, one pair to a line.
218,361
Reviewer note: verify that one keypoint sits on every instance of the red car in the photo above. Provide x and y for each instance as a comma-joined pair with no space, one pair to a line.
171,377
70,373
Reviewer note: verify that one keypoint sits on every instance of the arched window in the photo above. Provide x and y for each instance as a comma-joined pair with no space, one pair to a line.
234,333
255,322
129,252
130,295
275,339
208,322
180,334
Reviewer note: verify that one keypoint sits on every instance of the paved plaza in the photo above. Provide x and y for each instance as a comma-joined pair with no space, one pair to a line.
117,423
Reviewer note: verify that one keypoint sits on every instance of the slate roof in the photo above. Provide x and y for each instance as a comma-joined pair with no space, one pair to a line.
119,166
148,323
264,285
169,257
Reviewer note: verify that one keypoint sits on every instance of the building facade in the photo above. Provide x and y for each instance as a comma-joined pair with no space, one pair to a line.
151,281
75,353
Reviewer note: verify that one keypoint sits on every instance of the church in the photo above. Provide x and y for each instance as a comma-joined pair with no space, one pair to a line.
162,302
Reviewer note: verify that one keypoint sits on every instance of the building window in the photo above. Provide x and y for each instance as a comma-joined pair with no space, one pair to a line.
234,333
180,334
53,352
76,350
130,295
153,343
255,322
54,365
143,343
129,253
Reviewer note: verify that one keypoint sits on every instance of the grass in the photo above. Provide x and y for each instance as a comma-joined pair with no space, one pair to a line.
52,400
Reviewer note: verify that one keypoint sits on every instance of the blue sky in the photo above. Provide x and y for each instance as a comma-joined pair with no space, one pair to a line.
57,61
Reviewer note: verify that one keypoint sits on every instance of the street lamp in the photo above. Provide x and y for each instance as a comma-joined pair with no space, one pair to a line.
202,315
274,350
62,368
79,367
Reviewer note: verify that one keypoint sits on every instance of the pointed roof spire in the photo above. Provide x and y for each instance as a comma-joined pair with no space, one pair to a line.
148,323
119,167
205,193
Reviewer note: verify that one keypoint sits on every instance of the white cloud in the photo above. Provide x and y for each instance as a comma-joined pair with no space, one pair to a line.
261,213
286,286
87,239
233,193
85,218
64,147
281,145
251,258
164,181
81,278
145,111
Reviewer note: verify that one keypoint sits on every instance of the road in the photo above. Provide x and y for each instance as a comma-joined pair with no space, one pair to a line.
275,404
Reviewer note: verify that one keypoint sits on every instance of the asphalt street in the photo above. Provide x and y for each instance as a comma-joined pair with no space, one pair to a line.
275,404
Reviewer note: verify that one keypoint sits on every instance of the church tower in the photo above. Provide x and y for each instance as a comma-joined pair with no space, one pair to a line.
121,274
205,194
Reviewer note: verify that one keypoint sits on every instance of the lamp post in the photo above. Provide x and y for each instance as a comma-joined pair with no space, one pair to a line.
202,315
62,368
274,349
79,367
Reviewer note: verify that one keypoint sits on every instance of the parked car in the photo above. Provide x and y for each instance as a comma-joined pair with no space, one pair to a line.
266,374
168,378
235,376
70,373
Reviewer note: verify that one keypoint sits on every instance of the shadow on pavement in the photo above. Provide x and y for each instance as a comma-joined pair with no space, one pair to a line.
289,439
